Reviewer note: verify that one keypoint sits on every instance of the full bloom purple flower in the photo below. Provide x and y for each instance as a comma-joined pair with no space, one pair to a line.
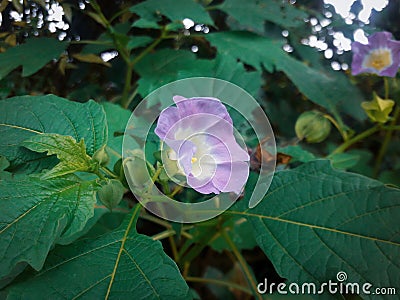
380,56
199,132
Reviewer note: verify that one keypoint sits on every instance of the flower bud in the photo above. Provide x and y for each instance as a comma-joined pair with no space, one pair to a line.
137,170
101,156
378,110
111,193
312,126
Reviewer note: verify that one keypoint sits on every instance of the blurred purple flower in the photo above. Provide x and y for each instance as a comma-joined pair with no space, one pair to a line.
200,133
380,56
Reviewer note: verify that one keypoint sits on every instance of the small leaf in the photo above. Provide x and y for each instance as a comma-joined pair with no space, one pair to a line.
97,18
17,5
344,160
138,41
36,214
72,155
117,119
3,5
32,55
297,153
151,10
91,58
121,264
26,116
67,11
254,13
378,109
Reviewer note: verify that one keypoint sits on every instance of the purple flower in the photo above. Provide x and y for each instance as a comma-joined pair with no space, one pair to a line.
199,132
380,56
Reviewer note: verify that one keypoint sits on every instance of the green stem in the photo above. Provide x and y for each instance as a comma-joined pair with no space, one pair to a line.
155,220
163,235
356,139
246,270
390,127
338,127
125,100
219,282
212,7
386,141
108,172
98,173
386,81
148,49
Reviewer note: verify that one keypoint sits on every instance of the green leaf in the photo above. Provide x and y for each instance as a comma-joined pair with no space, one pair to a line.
254,13
264,52
150,12
138,41
297,153
240,232
117,119
334,89
168,65
26,116
316,221
327,88
344,160
4,164
32,55
119,264
36,214
72,155
165,65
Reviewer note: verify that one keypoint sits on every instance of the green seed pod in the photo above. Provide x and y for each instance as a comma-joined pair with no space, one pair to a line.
101,156
137,170
111,193
312,126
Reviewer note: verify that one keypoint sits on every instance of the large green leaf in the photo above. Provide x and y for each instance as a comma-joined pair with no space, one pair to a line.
32,55
117,119
26,116
254,13
4,164
176,10
72,155
118,265
326,88
36,214
316,221
168,65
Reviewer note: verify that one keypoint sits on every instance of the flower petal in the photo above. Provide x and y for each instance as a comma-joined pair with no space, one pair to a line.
231,177
166,120
201,105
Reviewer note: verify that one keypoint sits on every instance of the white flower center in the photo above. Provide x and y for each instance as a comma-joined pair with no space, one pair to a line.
378,59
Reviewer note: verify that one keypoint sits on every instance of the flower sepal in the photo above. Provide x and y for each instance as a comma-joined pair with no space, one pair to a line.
378,109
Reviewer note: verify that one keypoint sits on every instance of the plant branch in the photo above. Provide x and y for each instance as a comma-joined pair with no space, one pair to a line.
246,270
386,141
163,235
227,284
356,139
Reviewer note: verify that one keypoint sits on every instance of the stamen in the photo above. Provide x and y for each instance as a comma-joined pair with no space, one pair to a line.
194,159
